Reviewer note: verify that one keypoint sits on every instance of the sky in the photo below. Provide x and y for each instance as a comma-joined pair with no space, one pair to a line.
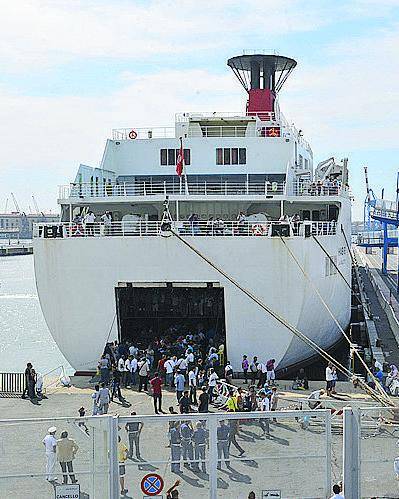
72,70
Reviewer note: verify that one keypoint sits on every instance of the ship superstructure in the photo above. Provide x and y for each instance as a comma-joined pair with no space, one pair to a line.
248,181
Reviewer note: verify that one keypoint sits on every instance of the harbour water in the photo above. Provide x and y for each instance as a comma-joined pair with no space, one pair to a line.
24,334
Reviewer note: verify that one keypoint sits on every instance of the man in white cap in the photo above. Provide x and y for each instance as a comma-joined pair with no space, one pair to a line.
50,445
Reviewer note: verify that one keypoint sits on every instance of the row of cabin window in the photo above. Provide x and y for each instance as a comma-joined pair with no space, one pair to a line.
224,156
169,156
231,156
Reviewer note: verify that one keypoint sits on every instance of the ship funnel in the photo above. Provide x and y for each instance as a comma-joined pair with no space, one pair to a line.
262,76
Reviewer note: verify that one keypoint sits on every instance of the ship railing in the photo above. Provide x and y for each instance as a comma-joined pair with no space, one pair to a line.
205,131
143,133
308,188
210,131
181,187
193,116
207,228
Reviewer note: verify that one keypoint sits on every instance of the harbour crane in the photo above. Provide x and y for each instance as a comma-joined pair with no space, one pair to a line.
35,205
15,203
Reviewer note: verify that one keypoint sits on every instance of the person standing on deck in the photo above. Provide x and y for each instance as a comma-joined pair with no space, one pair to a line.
204,401
27,379
156,384
254,370
329,379
192,383
66,451
245,367
213,377
143,369
179,384
270,373
50,445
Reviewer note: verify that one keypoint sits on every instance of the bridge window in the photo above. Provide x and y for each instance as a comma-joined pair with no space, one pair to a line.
168,157
231,156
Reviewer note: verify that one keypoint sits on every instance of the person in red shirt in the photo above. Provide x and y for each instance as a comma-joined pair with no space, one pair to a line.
161,366
156,385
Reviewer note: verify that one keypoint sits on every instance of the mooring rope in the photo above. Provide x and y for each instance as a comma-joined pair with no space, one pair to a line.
286,324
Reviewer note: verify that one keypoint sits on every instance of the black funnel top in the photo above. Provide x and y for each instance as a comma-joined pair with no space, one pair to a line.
260,71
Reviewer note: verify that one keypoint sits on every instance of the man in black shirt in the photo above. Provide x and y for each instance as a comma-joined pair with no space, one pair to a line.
204,400
184,403
28,371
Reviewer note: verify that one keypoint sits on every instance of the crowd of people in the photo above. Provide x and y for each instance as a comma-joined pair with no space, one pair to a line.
328,186
191,365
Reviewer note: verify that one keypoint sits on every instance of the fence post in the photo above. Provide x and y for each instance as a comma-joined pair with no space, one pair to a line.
328,453
213,456
351,453
113,458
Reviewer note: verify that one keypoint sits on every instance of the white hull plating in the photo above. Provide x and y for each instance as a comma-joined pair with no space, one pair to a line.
76,280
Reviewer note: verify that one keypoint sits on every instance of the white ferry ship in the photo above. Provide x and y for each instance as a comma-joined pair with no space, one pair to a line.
248,186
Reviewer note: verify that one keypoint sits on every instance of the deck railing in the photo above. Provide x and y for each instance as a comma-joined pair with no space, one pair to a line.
183,188
192,132
189,188
208,228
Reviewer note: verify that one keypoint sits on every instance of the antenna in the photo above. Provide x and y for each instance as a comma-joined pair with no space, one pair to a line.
262,76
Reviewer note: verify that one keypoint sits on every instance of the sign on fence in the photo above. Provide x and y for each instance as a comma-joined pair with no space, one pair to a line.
271,494
67,491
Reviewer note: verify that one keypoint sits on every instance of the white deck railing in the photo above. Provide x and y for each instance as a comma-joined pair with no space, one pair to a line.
183,188
200,228
195,131
188,188
263,115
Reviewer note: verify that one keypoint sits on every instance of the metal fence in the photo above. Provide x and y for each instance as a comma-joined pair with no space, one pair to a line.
23,460
379,452
213,455
282,454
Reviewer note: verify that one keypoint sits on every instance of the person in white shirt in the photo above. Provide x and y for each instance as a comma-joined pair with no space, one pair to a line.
107,221
378,365
89,220
264,406
50,445
329,378
314,399
192,383
143,369
190,357
133,370
228,373
212,380
182,365
337,494
262,374
126,374
169,368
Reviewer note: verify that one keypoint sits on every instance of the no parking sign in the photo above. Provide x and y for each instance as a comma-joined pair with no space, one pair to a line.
152,484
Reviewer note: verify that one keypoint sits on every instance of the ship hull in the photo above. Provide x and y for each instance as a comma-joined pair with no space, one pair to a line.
76,280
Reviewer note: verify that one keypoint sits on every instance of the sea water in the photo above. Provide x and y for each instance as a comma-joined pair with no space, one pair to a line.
24,336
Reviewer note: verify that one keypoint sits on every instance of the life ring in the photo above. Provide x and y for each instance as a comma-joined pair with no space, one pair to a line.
132,134
258,230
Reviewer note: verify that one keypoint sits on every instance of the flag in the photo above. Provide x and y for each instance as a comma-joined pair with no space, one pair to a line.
180,160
